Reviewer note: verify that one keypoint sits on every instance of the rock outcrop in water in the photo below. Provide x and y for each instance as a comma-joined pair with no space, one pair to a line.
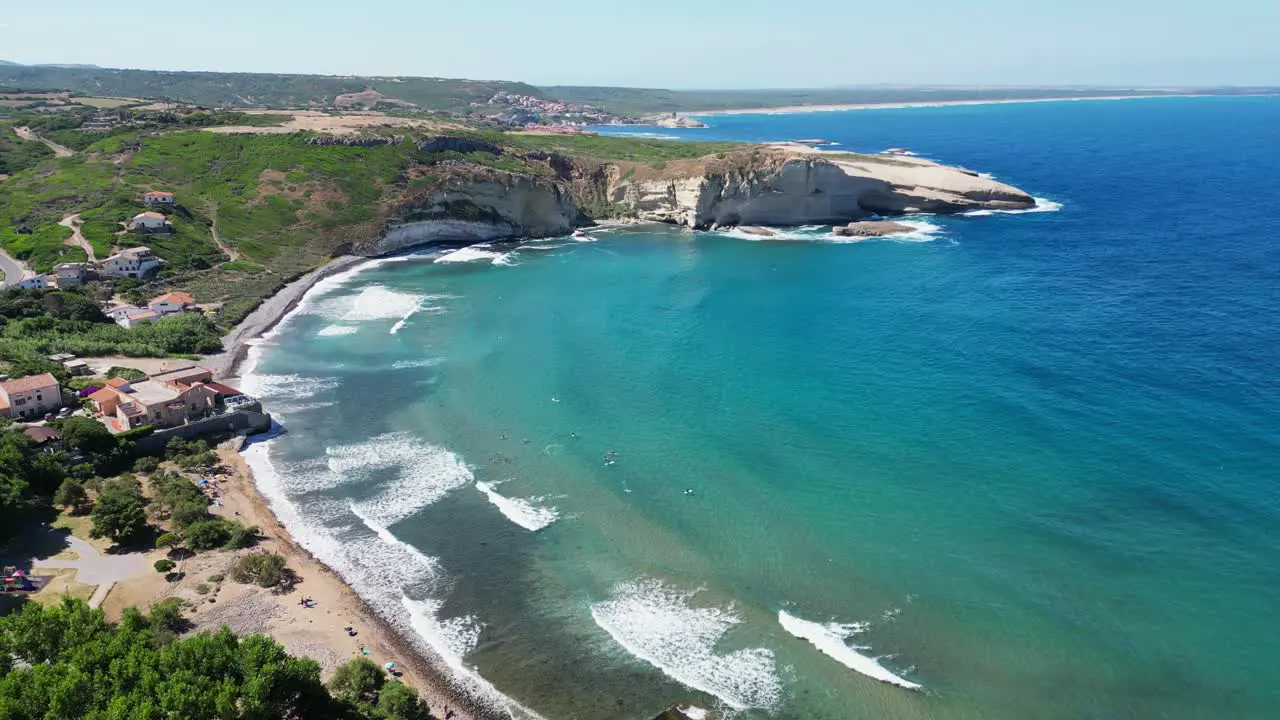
763,186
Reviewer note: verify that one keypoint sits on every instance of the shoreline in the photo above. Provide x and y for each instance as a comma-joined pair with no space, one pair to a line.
268,314
434,678
435,682
796,109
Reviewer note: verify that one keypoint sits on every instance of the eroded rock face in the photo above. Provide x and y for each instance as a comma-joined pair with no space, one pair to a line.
491,206
794,188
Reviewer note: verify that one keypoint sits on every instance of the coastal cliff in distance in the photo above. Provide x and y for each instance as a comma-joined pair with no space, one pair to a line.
770,186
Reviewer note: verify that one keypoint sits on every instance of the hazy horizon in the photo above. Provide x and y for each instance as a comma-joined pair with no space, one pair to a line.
673,44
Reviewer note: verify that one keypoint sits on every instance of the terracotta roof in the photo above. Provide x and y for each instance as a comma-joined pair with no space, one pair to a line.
176,297
29,383
160,193
104,394
144,315
152,215
221,389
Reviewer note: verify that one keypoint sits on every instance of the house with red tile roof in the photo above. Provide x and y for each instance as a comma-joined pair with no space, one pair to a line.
30,397
172,303
164,400
158,197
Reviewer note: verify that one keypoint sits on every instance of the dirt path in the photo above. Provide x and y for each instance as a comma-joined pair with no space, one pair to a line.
226,249
58,150
77,240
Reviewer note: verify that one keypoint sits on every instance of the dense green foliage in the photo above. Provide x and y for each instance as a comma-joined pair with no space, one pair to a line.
68,662
27,478
17,154
250,89
120,513
35,324
71,495
220,533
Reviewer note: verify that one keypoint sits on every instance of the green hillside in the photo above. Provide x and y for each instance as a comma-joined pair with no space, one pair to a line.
252,89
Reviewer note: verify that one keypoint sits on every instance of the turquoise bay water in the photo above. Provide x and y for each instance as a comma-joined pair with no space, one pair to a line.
1027,461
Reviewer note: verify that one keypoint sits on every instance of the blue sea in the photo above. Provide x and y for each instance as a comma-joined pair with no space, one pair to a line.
1010,466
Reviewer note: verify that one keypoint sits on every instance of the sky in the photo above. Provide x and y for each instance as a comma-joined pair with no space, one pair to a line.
671,43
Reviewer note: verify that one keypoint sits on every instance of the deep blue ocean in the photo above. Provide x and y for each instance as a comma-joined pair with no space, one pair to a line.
1014,466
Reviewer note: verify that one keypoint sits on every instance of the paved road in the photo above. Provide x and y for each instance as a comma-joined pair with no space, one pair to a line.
11,268
94,568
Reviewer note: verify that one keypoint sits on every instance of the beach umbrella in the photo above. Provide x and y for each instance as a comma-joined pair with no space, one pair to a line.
390,666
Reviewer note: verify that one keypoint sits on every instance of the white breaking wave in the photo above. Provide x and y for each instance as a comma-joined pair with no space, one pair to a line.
454,638
400,323
408,364
475,252
1042,205
386,572
658,624
522,512
372,303
333,330
286,387
831,640
921,231
424,474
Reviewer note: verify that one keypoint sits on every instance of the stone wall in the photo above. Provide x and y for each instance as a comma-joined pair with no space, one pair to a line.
240,421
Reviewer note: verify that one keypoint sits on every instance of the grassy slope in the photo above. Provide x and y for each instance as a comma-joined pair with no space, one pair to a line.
253,89
285,205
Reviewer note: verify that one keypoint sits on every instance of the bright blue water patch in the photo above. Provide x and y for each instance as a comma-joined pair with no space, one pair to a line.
1035,456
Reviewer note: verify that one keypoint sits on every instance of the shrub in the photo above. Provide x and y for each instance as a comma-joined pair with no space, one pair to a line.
357,680
189,512
163,566
401,702
202,589
264,570
71,495
241,537
146,464
208,534
216,578
167,540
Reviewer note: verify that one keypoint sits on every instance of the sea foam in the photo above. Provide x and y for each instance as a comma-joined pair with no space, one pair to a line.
831,640
474,253
424,474
524,513
660,625
1042,205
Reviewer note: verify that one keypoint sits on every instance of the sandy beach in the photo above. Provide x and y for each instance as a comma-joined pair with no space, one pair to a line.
942,103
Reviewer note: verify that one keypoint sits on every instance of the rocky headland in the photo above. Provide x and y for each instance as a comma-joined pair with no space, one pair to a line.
759,186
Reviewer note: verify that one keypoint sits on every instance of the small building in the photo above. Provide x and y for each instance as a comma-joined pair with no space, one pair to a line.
131,263
137,317
31,397
34,281
70,274
158,198
172,303
152,223
45,438
77,367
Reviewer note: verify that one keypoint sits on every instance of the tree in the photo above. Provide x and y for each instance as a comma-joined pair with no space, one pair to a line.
87,436
208,534
168,540
120,514
265,570
146,464
188,512
163,565
357,680
400,702
71,495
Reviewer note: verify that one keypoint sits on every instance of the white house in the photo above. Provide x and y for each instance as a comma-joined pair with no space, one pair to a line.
33,281
131,263
158,197
149,222
138,317
171,303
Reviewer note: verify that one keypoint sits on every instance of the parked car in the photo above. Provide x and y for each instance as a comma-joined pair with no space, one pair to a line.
66,412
